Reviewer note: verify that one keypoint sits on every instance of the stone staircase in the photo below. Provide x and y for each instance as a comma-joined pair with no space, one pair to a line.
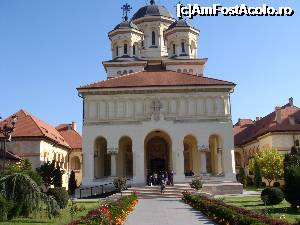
148,192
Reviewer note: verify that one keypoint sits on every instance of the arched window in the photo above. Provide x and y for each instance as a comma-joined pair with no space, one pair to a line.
125,72
117,51
130,71
75,163
297,143
125,49
119,72
174,49
185,70
133,49
142,43
178,70
153,38
190,71
182,47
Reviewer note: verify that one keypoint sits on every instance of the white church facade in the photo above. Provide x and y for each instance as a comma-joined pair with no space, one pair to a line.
156,110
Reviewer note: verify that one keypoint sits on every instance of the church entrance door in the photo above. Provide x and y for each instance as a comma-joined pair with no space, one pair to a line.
157,153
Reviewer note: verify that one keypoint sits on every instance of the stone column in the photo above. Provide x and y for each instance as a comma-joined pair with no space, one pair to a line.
220,165
88,161
113,161
228,156
203,149
203,169
178,160
138,161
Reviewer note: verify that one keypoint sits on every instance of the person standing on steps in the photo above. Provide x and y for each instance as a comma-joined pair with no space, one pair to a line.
162,185
171,175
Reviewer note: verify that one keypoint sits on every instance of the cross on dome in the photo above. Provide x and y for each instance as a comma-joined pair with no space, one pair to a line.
126,8
152,2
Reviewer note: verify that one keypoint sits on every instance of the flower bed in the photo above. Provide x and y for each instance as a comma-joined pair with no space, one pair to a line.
225,214
113,213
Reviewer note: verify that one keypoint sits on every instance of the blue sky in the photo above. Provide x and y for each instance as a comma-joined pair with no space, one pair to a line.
50,47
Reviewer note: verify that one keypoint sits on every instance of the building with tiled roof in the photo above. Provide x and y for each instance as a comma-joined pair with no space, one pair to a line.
280,130
157,111
40,142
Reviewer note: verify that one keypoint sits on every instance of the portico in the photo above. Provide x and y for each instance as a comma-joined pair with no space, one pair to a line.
136,150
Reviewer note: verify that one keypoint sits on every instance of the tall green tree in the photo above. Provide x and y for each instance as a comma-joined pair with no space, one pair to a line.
292,178
57,177
242,177
257,174
46,171
72,183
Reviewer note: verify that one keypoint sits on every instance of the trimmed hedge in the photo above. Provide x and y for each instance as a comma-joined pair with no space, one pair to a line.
225,214
272,196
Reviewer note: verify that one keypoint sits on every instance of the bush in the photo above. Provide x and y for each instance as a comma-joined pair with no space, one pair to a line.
276,184
120,184
272,196
5,208
60,195
263,184
196,183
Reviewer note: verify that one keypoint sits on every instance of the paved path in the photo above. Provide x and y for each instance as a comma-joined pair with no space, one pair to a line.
165,212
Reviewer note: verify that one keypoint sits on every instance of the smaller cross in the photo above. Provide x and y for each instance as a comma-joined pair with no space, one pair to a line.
126,8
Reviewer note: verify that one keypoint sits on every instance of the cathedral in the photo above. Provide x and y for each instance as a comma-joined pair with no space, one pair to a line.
156,111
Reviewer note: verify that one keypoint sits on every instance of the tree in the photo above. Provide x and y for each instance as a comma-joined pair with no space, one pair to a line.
23,167
57,177
257,174
270,162
26,195
72,183
46,171
292,178
242,176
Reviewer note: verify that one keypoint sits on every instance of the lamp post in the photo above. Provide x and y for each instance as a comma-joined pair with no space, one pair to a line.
6,130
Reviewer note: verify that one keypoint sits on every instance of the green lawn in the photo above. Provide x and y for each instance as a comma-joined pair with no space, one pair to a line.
253,189
62,219
255,203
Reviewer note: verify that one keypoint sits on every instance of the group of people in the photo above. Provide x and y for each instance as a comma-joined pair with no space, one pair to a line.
161,178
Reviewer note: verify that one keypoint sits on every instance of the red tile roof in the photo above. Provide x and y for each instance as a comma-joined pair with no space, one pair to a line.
247,130
156,79
30,126
70,135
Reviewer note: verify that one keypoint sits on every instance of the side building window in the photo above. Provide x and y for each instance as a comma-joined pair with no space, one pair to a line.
133,49
174,49
182,47
125,49
153,38
117,51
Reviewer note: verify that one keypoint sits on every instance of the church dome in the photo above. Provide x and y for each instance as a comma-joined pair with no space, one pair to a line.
126,24
152,10
179,23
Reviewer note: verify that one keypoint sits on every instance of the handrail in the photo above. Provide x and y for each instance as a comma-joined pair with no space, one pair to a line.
98,189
